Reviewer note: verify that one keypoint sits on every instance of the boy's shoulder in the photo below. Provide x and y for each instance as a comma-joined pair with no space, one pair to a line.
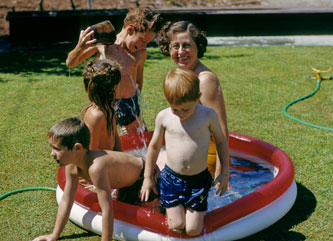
99,158
164,115
165,112
140,56
205,110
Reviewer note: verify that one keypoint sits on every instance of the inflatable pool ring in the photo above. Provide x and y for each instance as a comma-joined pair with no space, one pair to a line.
238,219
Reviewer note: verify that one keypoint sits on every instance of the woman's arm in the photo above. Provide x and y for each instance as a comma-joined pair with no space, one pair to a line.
212,97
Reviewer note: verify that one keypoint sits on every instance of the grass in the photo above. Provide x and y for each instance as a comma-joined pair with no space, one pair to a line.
37,90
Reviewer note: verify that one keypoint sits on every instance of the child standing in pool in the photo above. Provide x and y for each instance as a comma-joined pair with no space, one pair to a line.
129,50
100,79
185,179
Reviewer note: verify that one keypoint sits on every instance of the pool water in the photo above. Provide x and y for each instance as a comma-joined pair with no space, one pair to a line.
245,177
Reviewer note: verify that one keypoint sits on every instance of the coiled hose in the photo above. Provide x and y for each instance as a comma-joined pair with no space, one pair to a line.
318,78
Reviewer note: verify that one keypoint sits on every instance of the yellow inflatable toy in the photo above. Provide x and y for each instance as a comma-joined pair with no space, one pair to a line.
211,159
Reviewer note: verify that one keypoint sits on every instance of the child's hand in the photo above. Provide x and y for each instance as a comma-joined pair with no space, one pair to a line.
221,184
86,38
147,185
48,237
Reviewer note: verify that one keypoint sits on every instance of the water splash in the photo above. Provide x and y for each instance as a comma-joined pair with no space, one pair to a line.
142,127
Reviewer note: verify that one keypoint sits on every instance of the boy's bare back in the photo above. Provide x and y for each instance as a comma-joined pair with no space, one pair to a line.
187,141
121,169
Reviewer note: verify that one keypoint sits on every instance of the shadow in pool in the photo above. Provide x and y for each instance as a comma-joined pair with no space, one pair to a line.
304,206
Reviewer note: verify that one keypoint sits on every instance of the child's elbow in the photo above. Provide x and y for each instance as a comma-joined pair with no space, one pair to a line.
69,64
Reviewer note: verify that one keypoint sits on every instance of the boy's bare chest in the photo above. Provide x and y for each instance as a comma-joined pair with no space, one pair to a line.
193,130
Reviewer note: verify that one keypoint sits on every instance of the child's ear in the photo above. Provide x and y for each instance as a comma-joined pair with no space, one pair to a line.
77,147
130,29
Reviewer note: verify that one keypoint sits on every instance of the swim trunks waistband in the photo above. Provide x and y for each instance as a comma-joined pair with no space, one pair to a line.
187,177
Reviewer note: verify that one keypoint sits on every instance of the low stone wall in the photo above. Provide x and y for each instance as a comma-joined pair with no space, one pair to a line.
55,26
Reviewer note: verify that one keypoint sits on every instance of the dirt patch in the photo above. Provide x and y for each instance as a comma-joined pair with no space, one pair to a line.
35,5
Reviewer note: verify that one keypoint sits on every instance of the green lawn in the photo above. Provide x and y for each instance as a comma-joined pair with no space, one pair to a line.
37,90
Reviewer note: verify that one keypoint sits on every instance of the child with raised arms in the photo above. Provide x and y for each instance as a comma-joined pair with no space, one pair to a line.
186,127
129,50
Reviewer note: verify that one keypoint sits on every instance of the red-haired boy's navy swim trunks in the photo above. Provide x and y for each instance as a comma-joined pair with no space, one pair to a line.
189,191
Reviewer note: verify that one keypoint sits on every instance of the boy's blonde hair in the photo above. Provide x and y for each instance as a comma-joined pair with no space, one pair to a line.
181,85
143,20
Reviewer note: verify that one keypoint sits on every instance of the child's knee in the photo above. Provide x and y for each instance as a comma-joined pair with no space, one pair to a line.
176,224
193,231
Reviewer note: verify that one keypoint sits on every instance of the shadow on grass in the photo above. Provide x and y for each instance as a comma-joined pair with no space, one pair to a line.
236,56
155,55
78,236
304,206
27,62
85,234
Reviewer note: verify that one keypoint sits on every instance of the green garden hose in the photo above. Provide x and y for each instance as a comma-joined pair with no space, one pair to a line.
318,79
24,190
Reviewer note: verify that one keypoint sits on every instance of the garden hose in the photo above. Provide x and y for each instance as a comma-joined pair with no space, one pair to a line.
24,190
318,79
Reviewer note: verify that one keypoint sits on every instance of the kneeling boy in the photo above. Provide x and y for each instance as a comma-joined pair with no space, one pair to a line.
185,179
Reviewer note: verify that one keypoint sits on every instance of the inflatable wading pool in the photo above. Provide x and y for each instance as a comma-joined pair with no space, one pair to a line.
246,214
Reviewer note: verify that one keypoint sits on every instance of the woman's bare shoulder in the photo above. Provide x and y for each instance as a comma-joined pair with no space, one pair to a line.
207,75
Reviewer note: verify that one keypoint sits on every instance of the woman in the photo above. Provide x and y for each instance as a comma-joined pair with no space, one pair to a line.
185,43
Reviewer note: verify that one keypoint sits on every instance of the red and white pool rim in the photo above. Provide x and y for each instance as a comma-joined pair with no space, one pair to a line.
243,217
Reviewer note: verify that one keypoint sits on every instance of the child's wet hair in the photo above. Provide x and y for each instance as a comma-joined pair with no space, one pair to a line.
100,79
169,30
143,20
70,131
181,85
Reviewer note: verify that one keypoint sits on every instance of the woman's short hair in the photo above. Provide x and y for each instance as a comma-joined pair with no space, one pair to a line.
169,30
